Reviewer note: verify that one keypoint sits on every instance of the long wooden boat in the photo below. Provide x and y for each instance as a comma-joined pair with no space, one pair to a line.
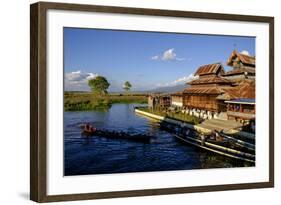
229,146
144,138
218,149
239,142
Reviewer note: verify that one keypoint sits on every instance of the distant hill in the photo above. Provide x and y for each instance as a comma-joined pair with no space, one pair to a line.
170,89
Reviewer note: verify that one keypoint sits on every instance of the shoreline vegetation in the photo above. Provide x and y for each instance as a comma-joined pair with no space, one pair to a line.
86,101
173,115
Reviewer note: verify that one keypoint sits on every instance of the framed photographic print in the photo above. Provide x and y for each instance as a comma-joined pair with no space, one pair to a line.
134,102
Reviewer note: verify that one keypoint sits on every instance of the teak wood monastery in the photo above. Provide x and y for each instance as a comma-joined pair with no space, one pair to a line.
215,93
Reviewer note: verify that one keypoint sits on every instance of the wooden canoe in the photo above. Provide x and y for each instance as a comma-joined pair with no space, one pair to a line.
118,135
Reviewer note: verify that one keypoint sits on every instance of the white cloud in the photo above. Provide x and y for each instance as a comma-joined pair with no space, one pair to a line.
78,80
168,55
91,76
179,81
155,58
245,52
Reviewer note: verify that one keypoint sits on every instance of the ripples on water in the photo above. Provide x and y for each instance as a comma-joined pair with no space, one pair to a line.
97,155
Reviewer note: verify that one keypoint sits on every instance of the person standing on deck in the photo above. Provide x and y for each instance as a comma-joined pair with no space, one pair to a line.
203,138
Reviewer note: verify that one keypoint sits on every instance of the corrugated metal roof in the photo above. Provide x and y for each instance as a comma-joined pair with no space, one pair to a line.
210,69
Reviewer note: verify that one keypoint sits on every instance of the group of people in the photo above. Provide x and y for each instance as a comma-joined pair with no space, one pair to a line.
215,135
89,128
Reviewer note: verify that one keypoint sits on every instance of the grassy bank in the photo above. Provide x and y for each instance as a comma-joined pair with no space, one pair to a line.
77,101
173,115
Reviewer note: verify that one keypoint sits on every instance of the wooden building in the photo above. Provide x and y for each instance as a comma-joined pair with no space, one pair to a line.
242,89
208,94
203,93
243,66
159,100
241,109
215,92
177,99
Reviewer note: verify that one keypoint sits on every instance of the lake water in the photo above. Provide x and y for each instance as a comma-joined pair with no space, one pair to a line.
97,155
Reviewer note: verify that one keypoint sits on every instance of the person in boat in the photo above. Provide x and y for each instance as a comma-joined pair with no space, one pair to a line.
187,131
218,137
93,129
89,128
213,135
203,139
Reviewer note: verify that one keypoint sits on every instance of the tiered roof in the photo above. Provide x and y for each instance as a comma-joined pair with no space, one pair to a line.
240,71
245,59
203,90
214,69
210,80
209,75
249,63
245,89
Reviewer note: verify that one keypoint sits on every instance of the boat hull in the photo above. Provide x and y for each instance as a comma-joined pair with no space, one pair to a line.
218,149
118,135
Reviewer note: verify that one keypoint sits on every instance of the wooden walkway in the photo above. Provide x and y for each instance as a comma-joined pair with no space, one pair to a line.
217,124
228,127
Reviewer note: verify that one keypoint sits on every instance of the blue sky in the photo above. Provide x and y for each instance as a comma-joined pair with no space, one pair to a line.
146,59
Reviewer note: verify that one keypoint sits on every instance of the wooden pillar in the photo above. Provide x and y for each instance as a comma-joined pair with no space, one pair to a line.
240,110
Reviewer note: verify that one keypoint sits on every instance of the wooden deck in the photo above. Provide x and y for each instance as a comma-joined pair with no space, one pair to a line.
228,126
217,124
241,115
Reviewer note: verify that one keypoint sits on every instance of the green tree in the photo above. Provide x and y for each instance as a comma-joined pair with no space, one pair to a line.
99,85
127,86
